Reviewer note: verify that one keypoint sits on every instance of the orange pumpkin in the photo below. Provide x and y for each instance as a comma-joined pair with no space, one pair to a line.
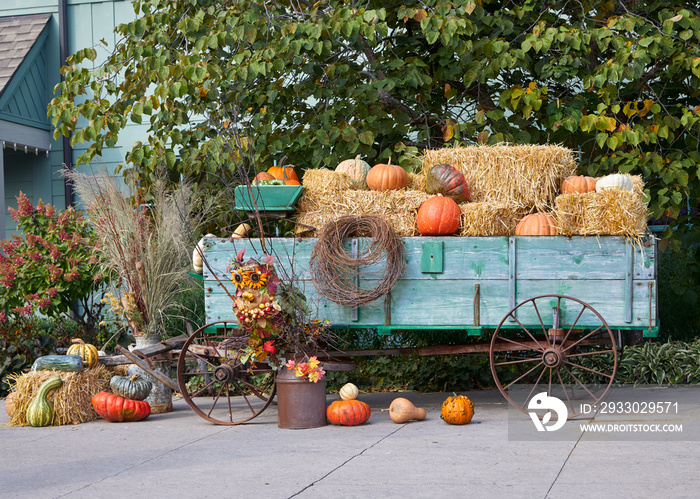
536,224
283,173
348,412
118,409
263,176
385,177
438,216
457,410
578,183
292,182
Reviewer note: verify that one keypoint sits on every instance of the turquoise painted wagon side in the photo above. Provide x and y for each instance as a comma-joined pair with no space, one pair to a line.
551,310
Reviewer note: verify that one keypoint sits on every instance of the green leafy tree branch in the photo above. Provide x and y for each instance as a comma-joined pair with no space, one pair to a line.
320,82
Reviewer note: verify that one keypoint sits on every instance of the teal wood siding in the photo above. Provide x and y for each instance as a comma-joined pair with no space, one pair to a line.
24,100
89,21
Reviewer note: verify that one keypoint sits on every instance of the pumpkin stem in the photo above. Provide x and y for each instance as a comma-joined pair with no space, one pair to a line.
78,340
134,377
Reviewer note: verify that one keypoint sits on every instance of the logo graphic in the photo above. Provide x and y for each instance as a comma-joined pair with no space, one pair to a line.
542,401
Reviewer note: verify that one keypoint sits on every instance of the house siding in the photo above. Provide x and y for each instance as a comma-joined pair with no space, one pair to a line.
89,21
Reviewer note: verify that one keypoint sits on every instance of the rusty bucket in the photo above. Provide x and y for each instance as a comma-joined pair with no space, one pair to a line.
300,403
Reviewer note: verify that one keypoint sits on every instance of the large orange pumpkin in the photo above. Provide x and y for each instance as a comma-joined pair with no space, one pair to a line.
577,183
457,410
283,173
348,412
438,216
536,224
385,177
118,409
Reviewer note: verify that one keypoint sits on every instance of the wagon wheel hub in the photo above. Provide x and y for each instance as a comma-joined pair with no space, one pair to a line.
225,372
553,357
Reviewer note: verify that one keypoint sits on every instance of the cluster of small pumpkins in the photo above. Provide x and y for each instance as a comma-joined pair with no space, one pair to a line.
278,175
40,412
543,224
348,411
126,402
439,215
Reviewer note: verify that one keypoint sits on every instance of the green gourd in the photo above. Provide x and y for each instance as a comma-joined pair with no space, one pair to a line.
40,412
67,363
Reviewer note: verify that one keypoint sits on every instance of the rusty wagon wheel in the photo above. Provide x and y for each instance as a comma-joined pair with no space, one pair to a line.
554,344
215,383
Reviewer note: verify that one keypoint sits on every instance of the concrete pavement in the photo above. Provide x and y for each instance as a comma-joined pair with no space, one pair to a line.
180,455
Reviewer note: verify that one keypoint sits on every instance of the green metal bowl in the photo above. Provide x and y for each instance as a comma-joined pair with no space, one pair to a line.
267,197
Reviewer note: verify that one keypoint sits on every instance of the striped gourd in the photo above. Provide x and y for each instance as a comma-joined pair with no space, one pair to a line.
85,351
40,412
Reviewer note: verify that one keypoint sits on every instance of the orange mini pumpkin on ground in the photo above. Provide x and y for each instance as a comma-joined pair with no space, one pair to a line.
578,183
348,412
457,410
438,216
536,224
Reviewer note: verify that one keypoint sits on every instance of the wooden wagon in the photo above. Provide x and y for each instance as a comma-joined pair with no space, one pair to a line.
550,311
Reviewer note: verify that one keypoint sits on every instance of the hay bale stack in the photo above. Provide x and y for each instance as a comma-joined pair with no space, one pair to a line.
490,219
614,213
416,182
322,184
398,206
72,402
527,175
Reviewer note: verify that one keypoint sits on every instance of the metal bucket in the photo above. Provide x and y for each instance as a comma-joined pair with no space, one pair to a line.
300,403
161,397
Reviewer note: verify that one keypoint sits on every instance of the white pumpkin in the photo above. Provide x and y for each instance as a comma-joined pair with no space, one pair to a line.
356,169
197,262
612,182
348,392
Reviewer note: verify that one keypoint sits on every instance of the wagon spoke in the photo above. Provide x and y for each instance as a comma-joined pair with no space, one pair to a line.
519,361
583,354
527,331
538,382
522,376
566,336
197,394
589,370
525,347
595,331
216,399
578,381
537,311
566,393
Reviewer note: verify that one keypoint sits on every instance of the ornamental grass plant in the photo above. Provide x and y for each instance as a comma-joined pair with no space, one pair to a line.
144,245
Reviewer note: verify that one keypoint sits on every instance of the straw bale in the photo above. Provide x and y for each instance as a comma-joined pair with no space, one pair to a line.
613,212
72,401
416,181
527,175
398,206
490,219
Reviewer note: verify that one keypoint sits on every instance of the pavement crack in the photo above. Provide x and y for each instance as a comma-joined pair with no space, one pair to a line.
347,461
563,465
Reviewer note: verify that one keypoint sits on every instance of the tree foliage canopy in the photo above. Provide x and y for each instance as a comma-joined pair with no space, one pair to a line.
320,82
